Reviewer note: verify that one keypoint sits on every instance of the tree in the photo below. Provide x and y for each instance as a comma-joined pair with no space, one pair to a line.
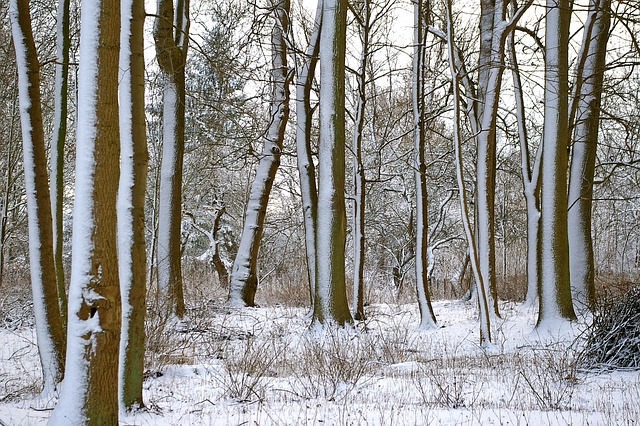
427,317
90,394
330,301
244,274
49,322
555,292
134,159
171,35
586,110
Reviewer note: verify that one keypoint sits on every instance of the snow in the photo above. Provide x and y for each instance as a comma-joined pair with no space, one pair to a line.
392,373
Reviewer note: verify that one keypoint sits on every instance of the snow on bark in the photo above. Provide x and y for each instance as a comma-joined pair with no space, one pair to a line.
244,275
49,331
555,293
330,304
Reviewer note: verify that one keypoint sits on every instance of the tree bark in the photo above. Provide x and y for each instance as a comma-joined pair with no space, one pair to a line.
134,160
171,34
555,292
583,157
330,302
49,322
90,394
244,273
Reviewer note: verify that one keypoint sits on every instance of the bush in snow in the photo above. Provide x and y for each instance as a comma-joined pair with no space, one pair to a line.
613,340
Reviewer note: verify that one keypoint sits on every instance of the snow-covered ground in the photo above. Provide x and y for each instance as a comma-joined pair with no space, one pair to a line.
263,366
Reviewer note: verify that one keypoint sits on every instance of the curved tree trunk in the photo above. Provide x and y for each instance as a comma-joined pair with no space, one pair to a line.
90,394
244,273
49,322
134,160
171,34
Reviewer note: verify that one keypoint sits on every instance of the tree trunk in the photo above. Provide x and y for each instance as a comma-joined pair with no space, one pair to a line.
583,157
306,168
330,302
171,41
555,292
244,273
49,323
427,317
57,147
134,160
90,394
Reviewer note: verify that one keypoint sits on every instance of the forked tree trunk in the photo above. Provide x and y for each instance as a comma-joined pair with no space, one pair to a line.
583,156
90,394
171,34
555,292
427,317
330,302
49,323
134,160
244,273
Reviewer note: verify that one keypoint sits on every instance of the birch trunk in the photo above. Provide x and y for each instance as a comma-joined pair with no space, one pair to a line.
63,42
244,273
90,391
49,323
134,159
171,34
427,317
330,302
583,157
555,292
306,168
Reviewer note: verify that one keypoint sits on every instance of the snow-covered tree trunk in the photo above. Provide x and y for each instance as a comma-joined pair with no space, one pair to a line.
171,35
358,167
427,317
583,156
244,273
49,323
306,168
531,181
63,42
330,302
485,321
134,159
555,292
90,390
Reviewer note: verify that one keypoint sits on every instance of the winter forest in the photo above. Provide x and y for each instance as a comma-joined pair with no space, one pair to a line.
344,212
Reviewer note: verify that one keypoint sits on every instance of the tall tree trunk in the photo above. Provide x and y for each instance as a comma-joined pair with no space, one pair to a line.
583,156
49,323
306,168
244,273
330,302
171,34
531,181
90,394
555,292
358,169
134,160
485,321
63,42
427,317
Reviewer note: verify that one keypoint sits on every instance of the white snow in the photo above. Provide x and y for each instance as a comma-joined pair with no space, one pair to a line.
390,374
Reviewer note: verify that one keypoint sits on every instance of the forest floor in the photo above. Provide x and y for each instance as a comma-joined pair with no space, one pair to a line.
260,366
